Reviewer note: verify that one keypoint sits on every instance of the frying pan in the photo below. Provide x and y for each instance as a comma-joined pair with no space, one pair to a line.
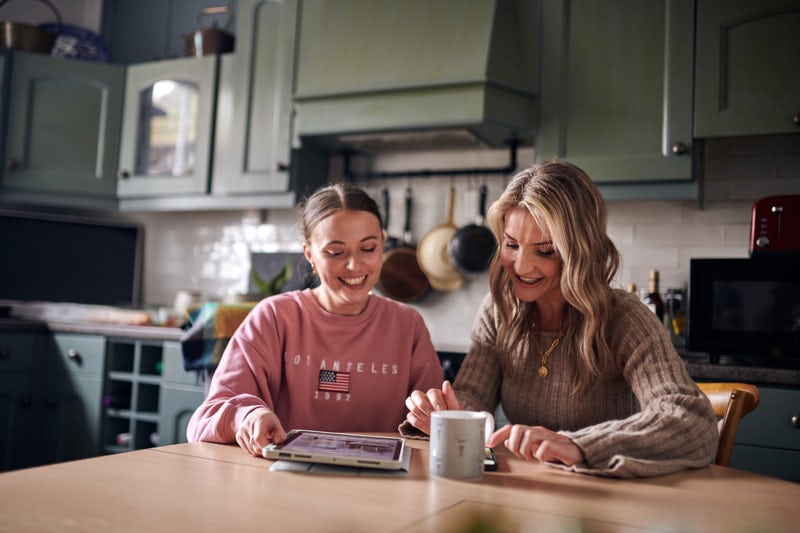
472,247
433,256
401,277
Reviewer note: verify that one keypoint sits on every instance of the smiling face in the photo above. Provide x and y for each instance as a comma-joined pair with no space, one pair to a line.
530,260
346,249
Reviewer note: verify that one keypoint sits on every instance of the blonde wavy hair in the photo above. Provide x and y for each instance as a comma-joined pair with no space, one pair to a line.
563,200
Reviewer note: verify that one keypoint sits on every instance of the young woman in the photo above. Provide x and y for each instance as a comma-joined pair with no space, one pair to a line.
586,373
332,358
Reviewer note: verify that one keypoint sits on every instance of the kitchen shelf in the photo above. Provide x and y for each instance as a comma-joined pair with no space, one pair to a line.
133,394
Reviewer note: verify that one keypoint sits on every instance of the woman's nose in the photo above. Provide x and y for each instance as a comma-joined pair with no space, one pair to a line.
525,262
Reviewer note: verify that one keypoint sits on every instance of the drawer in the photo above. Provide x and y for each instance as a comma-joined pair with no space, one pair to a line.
783,464
17,351
771,423
78,354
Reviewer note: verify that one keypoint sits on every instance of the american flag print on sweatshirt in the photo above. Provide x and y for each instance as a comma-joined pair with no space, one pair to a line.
331,380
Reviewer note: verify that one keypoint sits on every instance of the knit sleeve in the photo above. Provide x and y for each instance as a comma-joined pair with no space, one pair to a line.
477,384
675,428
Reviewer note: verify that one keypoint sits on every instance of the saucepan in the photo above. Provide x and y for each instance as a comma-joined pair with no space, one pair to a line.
210,40
27,37
433,255
401,277
472,246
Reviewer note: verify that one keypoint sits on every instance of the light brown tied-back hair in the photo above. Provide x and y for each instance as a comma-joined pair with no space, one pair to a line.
332,198
565,202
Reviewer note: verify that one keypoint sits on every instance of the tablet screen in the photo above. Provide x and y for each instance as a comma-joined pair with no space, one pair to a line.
342,445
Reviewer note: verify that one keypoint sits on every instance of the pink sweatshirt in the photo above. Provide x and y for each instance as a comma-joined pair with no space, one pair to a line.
317,370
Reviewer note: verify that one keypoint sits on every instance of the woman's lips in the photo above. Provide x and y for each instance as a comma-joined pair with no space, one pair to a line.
355,281
529,281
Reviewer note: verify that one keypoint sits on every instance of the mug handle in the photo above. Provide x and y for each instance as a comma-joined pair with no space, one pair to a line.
488,427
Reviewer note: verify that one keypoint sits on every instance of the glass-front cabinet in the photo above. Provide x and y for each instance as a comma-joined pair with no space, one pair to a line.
168,120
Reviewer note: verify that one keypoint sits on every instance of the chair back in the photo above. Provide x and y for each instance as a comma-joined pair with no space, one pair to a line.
731,402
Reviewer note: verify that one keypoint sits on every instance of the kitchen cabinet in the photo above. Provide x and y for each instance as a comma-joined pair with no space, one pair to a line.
17,399
50,394
253,162
747,75
72,397
768,440
254,113
616,93
181,393
167,131
63,131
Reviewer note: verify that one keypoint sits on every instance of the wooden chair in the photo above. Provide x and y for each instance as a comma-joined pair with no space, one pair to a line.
731,402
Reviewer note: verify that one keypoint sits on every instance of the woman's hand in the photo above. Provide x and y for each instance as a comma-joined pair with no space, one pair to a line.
534,442
259,428
421,405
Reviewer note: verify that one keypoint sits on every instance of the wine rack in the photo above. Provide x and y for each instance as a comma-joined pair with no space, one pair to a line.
131,395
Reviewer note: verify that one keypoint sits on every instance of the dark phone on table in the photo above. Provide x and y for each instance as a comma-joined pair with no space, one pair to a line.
489,459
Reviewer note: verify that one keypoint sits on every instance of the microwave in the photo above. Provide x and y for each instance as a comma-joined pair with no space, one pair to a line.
745,311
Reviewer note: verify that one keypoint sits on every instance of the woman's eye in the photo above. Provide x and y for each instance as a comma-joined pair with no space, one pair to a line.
547,253
370,249
333,253
511,245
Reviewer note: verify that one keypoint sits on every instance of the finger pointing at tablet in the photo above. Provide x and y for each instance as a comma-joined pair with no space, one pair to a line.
260,427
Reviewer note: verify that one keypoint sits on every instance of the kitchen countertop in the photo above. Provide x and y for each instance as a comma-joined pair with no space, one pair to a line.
88,328
698,367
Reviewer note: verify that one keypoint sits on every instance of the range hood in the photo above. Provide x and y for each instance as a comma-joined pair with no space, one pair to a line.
377,75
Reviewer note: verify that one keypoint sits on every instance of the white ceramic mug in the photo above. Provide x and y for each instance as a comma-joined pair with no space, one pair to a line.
457,442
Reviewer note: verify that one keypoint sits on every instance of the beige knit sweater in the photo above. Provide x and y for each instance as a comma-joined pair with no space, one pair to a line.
644,417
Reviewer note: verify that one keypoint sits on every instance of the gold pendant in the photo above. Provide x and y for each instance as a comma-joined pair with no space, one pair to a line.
543,372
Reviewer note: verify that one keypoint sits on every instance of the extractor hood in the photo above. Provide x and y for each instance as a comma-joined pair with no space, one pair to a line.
374,75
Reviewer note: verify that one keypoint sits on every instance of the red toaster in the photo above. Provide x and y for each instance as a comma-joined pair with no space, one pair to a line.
775,225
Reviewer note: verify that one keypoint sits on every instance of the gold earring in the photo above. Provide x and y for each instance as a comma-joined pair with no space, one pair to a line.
313,268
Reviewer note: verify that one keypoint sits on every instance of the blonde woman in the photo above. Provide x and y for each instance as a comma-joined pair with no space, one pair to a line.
586,373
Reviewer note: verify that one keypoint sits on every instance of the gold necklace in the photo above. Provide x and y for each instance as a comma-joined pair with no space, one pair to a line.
543,369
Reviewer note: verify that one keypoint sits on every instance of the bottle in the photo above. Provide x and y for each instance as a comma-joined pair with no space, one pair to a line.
653,298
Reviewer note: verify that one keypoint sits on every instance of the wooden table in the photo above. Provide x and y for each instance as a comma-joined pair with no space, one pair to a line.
212,487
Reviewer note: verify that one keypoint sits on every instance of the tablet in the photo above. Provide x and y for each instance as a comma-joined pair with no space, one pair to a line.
344,449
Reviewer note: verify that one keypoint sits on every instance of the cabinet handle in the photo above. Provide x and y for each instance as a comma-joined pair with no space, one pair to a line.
679,148
12,164
73,355
796,421
796,119
123,174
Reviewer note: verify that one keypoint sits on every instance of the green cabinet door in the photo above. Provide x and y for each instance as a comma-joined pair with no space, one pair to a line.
63,126
181,393
72,397
254,110
616,90
168,123
17,400
748,67
768,440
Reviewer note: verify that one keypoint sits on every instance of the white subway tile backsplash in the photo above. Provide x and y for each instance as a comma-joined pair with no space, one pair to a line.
210,251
